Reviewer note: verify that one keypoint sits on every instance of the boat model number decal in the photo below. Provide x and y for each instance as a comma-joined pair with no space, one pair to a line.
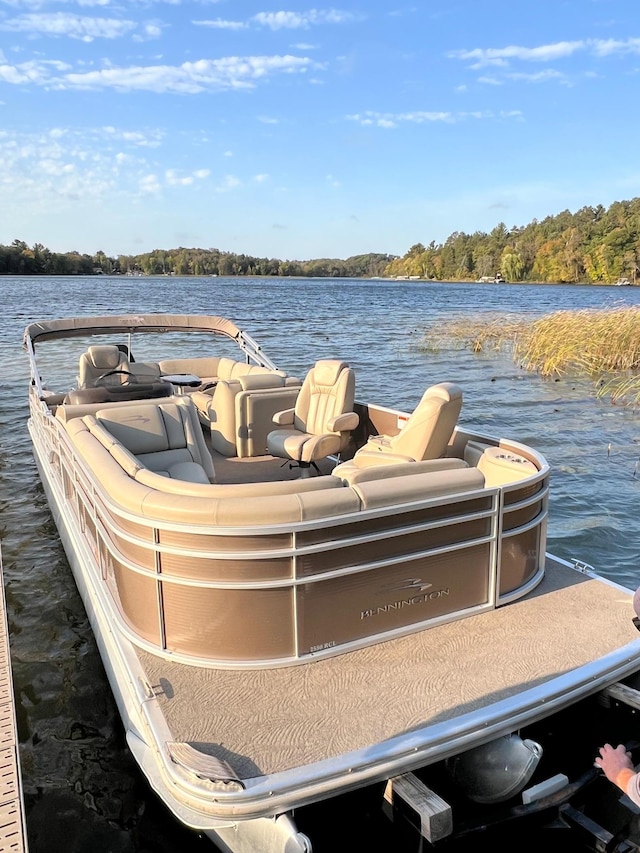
321,646
423,592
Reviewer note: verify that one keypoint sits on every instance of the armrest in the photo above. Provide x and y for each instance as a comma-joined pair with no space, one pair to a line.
284,417
260,381
379,441
386,466
344,423
369,458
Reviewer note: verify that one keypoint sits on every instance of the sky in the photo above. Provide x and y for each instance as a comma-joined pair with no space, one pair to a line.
300,131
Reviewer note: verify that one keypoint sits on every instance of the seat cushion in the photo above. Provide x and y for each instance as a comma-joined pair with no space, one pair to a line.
190,471
327,370
106,357
302,446
141,430
287,443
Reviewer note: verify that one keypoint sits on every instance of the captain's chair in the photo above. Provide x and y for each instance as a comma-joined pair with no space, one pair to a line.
106,362
321,423
425,435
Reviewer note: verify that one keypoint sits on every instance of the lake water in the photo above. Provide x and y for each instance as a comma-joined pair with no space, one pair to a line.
83,791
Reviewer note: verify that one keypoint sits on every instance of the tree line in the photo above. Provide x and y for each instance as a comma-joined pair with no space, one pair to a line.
593,245
20,259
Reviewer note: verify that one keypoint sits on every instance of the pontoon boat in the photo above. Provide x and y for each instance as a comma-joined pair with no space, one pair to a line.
298,594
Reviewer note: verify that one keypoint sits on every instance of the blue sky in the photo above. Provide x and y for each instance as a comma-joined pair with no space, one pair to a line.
302,131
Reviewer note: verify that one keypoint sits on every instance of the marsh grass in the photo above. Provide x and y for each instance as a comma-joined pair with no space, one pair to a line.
602,344
497,332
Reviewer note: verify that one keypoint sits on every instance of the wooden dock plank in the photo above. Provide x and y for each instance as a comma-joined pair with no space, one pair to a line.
13,832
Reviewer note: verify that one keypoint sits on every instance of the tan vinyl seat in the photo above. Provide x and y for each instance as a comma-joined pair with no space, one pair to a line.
97,361
425,435
164,437
323,419
240,412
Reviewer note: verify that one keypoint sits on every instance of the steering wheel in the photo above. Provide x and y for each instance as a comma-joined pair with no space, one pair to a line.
131,379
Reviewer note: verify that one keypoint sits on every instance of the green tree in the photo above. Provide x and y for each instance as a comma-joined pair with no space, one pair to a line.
511,265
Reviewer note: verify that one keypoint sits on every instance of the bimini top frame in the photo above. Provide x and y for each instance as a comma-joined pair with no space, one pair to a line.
69,327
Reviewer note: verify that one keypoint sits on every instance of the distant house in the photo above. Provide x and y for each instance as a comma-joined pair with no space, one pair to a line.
492,279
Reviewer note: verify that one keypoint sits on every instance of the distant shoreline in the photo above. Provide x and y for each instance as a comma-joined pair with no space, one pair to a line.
375,278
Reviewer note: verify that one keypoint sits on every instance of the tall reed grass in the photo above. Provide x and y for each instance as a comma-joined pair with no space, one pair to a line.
486,332
603,344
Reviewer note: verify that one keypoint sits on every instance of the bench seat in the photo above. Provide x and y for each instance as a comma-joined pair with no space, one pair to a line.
212,369
164,438
128,452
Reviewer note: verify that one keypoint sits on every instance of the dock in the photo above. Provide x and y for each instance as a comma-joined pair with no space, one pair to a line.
13,831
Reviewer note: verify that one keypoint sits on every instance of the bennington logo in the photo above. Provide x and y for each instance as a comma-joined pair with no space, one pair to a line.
423,592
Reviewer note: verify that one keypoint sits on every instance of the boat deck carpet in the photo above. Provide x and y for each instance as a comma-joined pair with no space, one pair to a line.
269,720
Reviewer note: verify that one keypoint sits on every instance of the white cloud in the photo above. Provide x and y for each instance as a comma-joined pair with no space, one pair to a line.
502,57
607,47
539,76
39,4
65,24
268,120
234,72
148,139
149,184
302,20
150,30
392,120
229,182
260,179
55,168
32,72
284,21
220,24
174,178
370,117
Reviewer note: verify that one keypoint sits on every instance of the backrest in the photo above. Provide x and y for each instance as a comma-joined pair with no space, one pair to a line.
206,367
428,430
98,360
221,411
225,367
328,390
243,368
